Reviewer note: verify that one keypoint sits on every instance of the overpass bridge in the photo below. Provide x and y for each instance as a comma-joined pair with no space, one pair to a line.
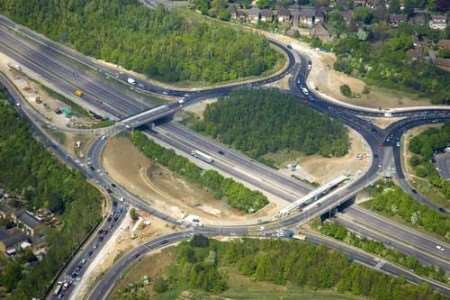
313,196
149,116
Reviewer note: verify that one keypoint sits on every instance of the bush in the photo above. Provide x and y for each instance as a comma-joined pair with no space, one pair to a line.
133,214
346,90
160,285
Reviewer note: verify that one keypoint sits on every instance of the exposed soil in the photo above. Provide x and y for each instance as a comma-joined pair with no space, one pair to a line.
198,108
167,191
325,169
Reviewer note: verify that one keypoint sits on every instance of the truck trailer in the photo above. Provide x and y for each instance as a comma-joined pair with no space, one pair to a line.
202,156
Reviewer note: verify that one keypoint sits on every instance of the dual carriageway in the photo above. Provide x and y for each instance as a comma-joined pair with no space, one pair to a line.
66,71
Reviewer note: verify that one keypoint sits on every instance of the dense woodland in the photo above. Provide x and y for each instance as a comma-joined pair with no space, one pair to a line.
423,146
390,200
236,194
200,266
266,121
164,45
27,169
341,233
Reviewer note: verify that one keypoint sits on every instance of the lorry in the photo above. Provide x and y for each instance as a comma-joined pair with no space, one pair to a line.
78,93
202,156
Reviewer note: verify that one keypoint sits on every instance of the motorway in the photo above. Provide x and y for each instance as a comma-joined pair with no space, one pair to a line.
47,62
401,232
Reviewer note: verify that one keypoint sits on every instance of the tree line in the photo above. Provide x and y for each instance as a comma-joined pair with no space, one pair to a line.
388,199
264,121
201,264
235,194
41,180
164,45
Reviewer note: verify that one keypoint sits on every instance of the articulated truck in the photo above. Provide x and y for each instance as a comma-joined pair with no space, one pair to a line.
202,156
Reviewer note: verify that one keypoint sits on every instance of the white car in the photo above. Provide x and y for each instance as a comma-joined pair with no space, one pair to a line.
439,247
305,91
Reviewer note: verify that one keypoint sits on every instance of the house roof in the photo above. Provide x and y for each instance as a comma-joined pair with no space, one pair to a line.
253,12
395,18
320,30
307,12
439,18
266,13
11,238
28,220
284,12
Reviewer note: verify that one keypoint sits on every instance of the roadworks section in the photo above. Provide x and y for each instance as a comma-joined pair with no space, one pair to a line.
168,192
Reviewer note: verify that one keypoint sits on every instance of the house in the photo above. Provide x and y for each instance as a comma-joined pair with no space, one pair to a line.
10,240
418,18
283,15
438,22
320,31
27,222
253,15
266,15
238,14
306,17
395,20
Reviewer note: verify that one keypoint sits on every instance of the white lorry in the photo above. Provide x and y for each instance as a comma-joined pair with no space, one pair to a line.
202,156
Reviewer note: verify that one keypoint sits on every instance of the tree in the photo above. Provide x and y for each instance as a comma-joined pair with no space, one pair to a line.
160,285
362,15
394,6
200,241
133,214
346,91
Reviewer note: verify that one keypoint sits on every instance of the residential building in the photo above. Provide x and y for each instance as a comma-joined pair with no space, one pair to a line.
10,240
266,15
283,15
27,222
395,20
238,14
306,17
320,31
438,22
253,15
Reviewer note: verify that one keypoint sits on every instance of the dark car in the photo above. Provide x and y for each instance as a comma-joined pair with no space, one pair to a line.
221,152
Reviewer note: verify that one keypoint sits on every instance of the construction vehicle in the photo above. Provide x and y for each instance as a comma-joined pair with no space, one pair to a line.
78,93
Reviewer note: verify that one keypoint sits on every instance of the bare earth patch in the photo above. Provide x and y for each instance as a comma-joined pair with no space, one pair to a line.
198,108
325,169
165,190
